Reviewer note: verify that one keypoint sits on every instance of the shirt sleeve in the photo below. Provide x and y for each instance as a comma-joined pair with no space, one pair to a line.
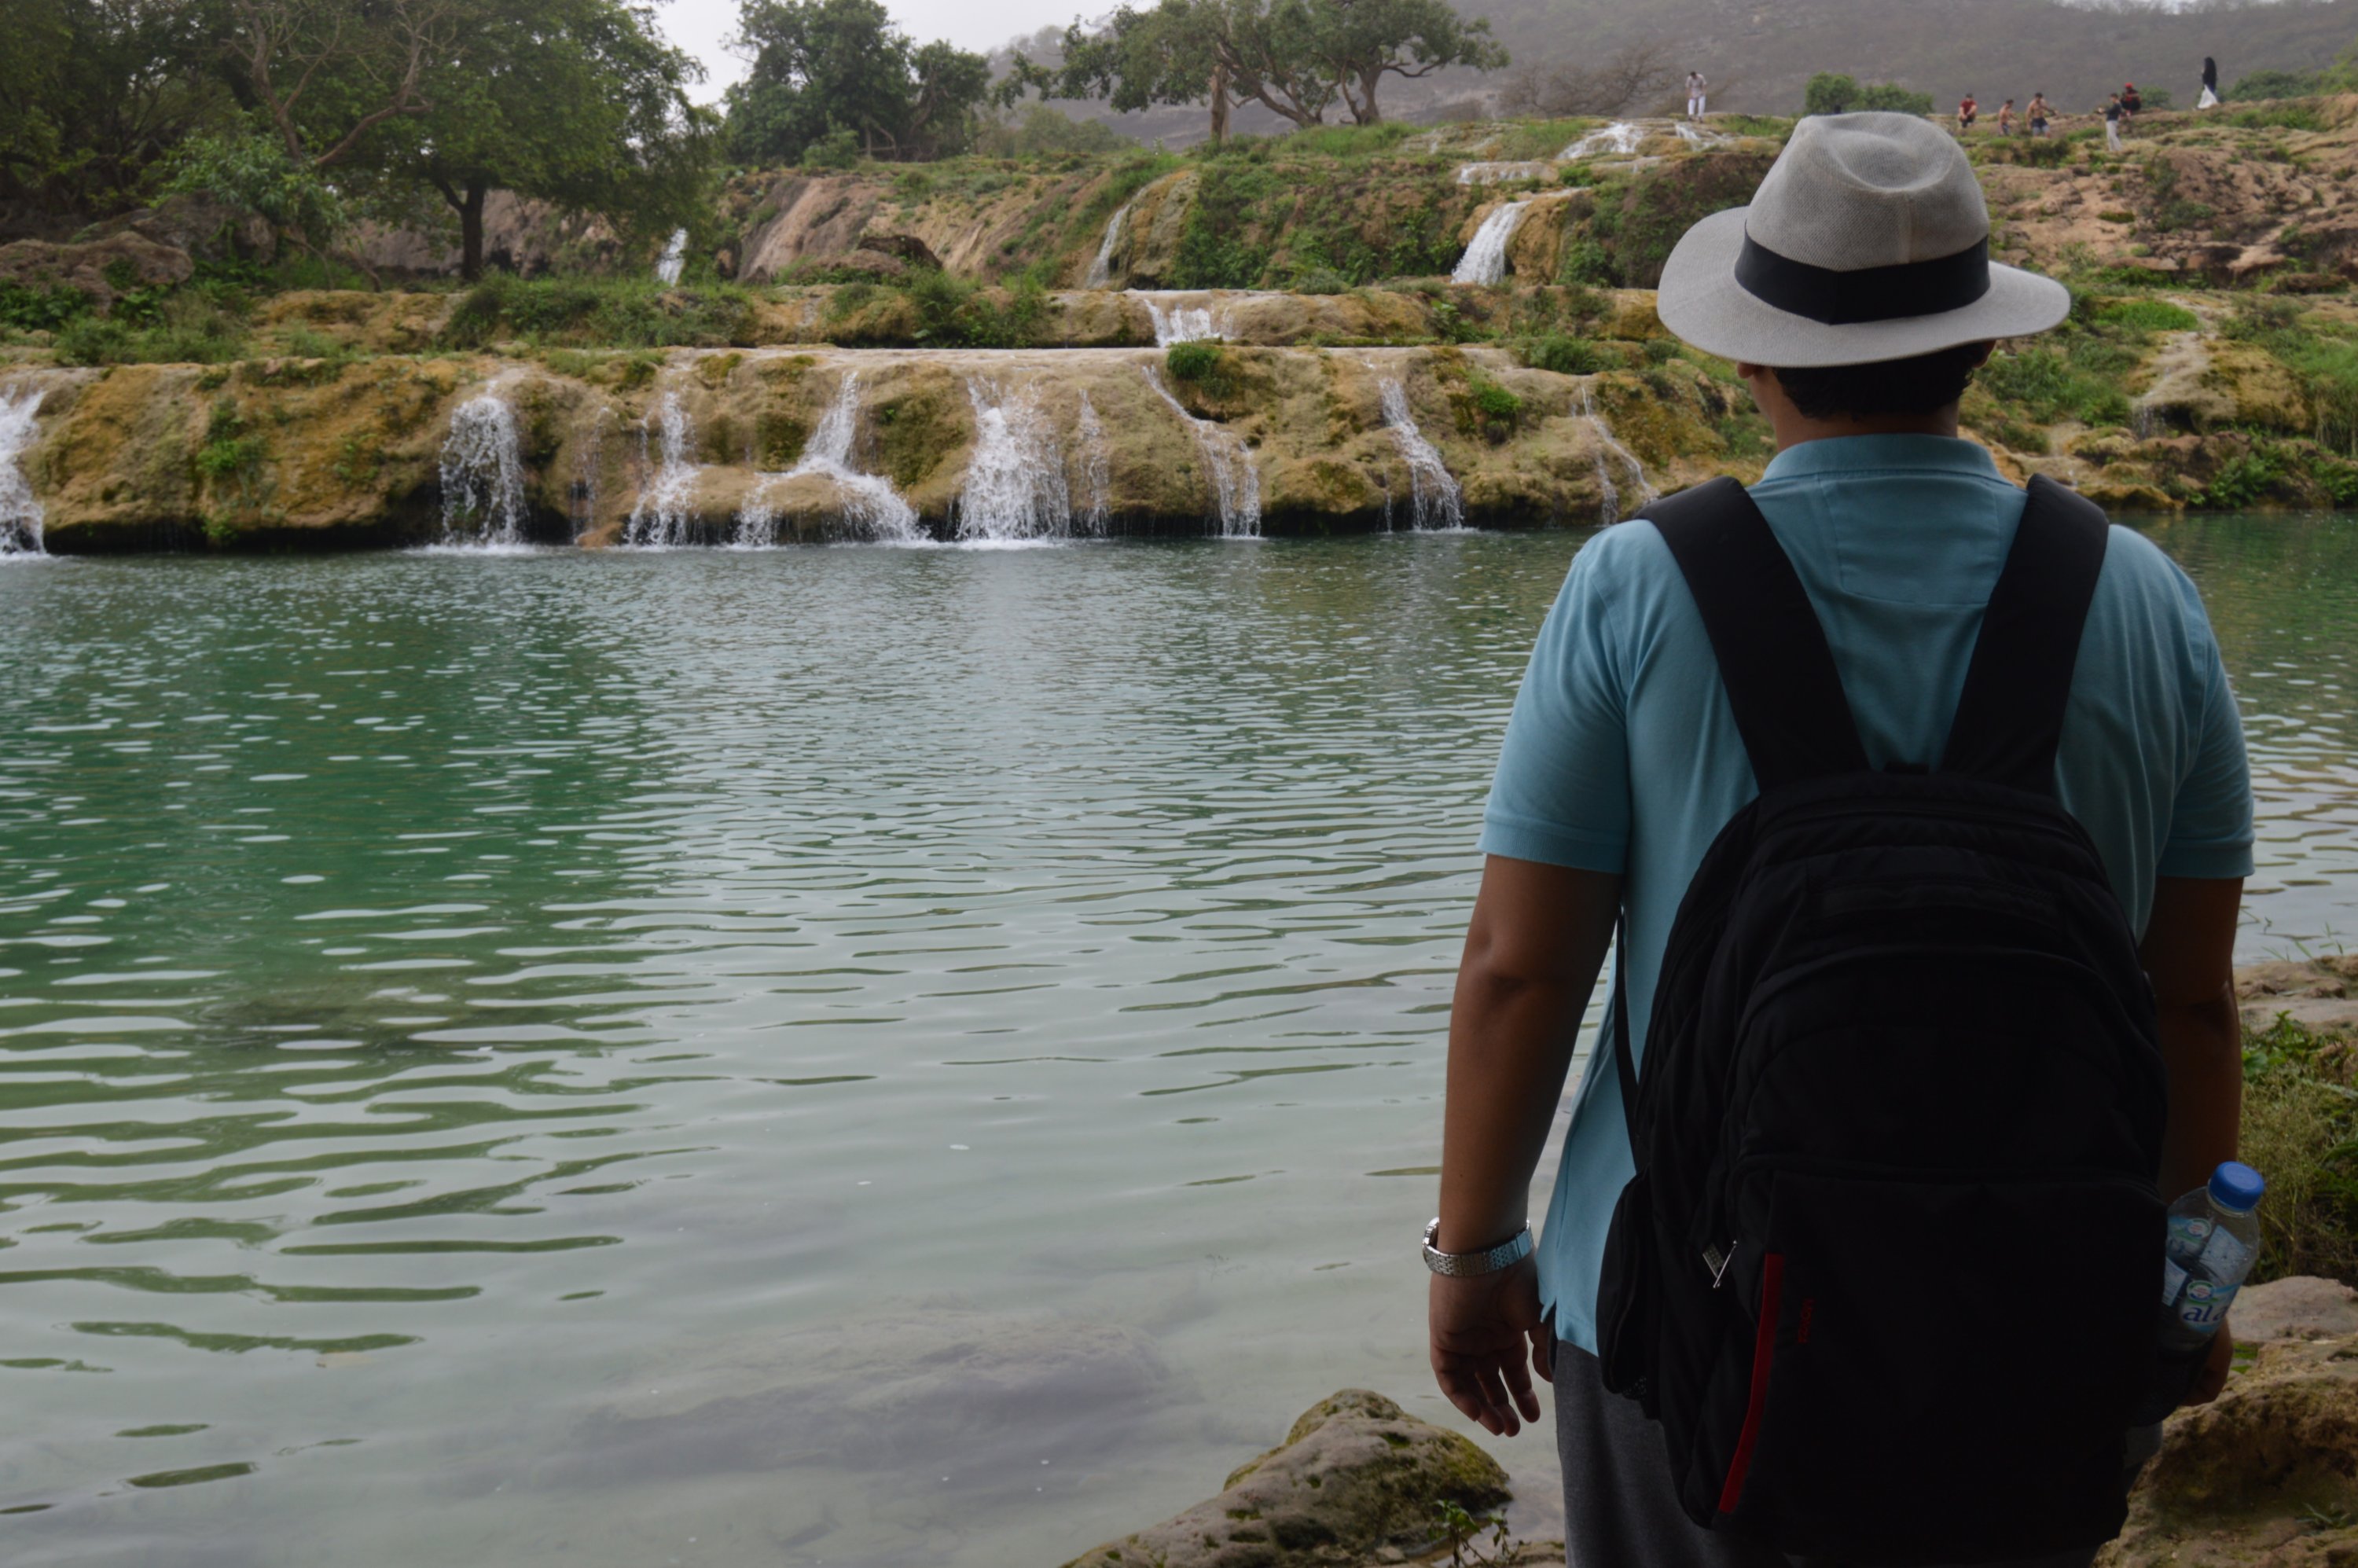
2211,819
1561,792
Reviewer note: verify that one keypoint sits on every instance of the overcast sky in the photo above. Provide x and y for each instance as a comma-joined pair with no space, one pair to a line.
698,25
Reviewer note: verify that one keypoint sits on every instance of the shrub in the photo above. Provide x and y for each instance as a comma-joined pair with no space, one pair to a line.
2148,316
1495,404
1321,280
30,309
839,149
1566,356
1191,362
2242,479
1831,92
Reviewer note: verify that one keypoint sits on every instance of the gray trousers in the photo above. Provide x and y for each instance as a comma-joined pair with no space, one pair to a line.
1621,1509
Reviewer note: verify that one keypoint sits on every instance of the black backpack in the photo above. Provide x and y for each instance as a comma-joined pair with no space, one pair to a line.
1889,1272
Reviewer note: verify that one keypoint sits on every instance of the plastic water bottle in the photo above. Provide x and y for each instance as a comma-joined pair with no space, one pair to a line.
2213,1237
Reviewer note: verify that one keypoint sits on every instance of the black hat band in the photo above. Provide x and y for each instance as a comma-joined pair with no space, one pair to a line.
1870,294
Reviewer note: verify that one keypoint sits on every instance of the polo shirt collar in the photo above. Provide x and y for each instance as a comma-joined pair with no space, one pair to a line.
1849,454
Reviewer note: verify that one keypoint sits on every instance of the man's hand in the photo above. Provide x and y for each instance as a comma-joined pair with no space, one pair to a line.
2213,1376
1482,1327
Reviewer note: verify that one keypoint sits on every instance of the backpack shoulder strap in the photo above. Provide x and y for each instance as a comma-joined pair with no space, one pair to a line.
1772,653
2010,719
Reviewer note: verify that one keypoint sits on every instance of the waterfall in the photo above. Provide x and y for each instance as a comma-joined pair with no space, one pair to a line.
870,503
1621,137
1486,259
1227,463
1096,470
482,475
1014,485
20,514
675,257
1184,324
1101,270
1486,173
1434,499
1607,444
659,519
1696,136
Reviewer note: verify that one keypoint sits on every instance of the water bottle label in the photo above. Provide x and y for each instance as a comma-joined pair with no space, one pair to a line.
2205,1305
2173,1280
2225,1256
2187,1235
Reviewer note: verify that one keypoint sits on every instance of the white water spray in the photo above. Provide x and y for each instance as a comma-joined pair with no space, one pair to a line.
20,514
1696,136
1101,270
1490,173
1485,260
870,503
1014,485
675,257
659,519
1434,499
1184,323
1609,445
482,475
1097,470
1227,463
1621,137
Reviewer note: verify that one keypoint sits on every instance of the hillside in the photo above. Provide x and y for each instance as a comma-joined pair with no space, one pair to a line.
1760,53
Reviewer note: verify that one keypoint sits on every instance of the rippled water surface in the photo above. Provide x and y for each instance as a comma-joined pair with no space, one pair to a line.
856,1055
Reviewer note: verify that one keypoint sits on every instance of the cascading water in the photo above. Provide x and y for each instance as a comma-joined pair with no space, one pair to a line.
20,514
674,258
1621,137
1014,486
870,503
1184,323
1227,463
1608,444
1490,173
482,475
1101,270
1485,260
1695,135
1096,470
589,466
659,519
1434,499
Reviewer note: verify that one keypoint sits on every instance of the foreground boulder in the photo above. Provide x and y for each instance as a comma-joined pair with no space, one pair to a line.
2266,1475
2315,992
1355,1481
2301,1307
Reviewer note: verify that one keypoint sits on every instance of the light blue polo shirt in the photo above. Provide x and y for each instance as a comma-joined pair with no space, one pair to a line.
1623,756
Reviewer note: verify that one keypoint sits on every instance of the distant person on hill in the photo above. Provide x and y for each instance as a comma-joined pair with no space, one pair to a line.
2132,103
1729,688
2114,113
2209,99
2006,118
2039,113
1697,91
1967,112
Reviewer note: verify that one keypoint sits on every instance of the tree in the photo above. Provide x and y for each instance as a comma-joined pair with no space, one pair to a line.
1829,93
579,102
1630,79
826,65
1408,38
1295,57
325,73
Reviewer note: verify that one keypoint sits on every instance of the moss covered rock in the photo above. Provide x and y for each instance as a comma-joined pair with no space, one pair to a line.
1355,1476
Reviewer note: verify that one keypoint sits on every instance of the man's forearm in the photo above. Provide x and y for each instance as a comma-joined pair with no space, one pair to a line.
1538,937
1509,1047
2203,1053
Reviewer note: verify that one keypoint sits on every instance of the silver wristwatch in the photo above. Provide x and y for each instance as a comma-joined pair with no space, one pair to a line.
1490,1260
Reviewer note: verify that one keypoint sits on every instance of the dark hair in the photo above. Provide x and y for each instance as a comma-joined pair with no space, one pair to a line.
1925,384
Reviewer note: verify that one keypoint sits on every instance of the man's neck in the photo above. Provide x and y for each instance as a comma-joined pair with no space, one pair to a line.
1796,429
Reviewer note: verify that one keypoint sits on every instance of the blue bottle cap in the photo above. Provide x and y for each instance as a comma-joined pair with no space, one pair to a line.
2235,1185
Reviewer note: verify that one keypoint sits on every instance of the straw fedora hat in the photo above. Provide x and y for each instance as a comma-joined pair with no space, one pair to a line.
1868,240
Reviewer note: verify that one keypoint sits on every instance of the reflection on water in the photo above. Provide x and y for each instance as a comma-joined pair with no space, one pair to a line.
843,1054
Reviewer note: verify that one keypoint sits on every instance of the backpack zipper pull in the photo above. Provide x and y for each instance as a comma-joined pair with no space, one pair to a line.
1717,1260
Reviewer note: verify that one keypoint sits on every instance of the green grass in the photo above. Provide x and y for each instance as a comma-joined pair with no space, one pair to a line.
2148,316
1346,141
613,312
2320,356
1566,356
2300,1131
